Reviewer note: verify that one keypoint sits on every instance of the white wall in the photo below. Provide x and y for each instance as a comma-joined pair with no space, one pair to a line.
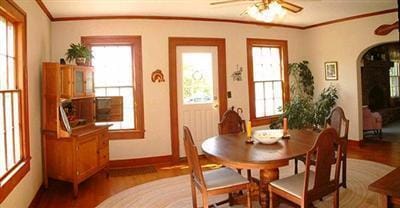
38,41
344,42
155,35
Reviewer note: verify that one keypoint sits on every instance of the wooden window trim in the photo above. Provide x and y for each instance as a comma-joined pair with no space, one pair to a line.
137,72
282,44
15,14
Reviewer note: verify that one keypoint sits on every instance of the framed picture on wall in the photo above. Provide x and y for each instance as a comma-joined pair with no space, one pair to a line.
331,70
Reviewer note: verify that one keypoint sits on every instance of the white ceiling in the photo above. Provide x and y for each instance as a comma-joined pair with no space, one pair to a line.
315,11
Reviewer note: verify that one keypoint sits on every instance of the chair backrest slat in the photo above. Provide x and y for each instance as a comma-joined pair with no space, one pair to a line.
231,123
193,159
339,122
323,151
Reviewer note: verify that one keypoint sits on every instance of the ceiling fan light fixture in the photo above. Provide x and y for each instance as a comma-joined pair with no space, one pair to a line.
266,12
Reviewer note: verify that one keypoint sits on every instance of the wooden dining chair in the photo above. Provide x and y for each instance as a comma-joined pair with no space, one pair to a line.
340,123
213,182
232,123
304,188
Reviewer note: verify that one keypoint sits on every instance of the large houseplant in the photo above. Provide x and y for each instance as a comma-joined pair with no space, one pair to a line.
79,53
302,111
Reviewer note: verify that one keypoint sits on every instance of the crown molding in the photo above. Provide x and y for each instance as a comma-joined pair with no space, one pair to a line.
45,10
59,19
352,18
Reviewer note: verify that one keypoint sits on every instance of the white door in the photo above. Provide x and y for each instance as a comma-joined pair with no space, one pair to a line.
197,73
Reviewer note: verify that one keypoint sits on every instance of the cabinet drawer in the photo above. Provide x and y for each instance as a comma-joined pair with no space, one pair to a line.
103,139
103,156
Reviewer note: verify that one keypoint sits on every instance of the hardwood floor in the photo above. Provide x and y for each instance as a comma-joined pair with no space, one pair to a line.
98,188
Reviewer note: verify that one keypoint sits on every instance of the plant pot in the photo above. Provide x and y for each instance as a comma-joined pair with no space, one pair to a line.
80,61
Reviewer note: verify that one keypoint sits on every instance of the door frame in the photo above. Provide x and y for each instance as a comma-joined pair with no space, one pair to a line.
173,43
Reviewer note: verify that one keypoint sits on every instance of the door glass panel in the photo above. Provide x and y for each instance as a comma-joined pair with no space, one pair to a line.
89,82
78,82
197,78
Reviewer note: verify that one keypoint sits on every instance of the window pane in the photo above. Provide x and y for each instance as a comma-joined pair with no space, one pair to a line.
10,39
113,65
17,138
273,96
112,91
269,92
11,74
259,90
266,64
9,133
197,78
2,144
100,91
3,36
392,71
113,77
269,107
3,72
260,108
278,90
394,80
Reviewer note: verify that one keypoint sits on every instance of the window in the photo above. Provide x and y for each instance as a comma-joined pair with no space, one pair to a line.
115,61
14,128
118,72
268,85
394,74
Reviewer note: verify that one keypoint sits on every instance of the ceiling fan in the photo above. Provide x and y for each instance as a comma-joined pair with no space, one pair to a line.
263,4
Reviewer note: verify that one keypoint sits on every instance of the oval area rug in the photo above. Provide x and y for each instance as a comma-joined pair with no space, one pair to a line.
175,192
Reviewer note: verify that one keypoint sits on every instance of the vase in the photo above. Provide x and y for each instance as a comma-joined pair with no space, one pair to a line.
80,61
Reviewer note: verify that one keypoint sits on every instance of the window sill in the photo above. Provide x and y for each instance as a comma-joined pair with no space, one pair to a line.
9,183
263,120
126,134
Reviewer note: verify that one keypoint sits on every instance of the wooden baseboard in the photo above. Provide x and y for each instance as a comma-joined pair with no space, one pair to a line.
355,143
140,162
36,200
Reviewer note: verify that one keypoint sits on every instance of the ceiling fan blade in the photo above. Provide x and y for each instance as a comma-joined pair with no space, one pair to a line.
227,2
291,7
386,29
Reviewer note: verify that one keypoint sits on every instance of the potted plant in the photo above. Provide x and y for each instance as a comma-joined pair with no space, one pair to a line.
303,111
79,53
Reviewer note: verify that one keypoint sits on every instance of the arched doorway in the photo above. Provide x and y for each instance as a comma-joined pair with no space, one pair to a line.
380,90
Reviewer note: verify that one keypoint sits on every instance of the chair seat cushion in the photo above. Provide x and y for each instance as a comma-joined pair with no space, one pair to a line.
294,184
223,177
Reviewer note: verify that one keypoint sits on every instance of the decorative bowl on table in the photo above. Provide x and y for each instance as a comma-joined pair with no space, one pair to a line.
269,136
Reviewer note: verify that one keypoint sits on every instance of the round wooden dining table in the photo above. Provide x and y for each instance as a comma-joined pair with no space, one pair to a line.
232,150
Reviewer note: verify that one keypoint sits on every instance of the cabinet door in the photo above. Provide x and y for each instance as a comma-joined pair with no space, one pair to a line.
87,156
89,83
66,82
79,79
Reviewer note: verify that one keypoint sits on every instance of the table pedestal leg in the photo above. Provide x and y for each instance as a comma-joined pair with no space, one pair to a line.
266,176
383,201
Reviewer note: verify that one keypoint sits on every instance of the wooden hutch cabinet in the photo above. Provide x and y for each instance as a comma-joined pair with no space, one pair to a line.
76,81
74,146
